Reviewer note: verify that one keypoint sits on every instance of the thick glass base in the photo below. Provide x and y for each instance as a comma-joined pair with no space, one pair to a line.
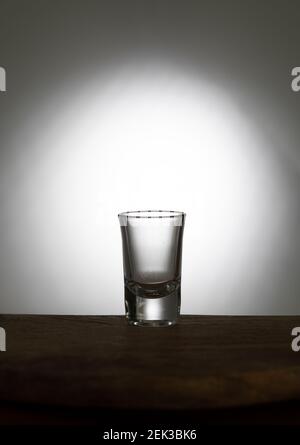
151,323
152,312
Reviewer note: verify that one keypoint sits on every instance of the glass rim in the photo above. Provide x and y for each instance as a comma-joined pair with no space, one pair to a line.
146,214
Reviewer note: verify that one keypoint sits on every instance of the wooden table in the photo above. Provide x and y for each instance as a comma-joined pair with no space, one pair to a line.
73,369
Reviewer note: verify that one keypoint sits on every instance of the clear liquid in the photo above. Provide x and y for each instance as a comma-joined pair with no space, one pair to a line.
152,267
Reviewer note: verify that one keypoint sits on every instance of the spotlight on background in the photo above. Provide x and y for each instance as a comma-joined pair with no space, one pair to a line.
150,136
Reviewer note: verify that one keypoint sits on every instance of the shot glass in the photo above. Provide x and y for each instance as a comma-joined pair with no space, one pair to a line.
152,252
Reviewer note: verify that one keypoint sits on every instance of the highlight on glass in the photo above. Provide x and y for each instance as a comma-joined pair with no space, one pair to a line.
152,257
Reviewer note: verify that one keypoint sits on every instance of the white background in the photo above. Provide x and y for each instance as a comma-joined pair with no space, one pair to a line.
163,113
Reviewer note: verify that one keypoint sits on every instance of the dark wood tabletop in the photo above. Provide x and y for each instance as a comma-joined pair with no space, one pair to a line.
96,364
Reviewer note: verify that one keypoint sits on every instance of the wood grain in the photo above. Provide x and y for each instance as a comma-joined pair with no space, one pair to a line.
100,362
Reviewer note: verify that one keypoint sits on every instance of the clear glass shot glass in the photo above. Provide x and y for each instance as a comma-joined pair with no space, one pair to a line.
152,252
